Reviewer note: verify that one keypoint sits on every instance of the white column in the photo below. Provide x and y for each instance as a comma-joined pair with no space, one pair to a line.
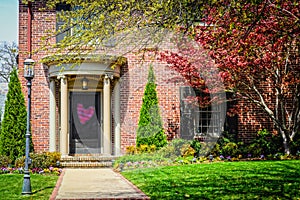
52,116
106,116
117,137
64,116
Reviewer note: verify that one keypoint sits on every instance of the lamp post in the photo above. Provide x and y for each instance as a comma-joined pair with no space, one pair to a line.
28,74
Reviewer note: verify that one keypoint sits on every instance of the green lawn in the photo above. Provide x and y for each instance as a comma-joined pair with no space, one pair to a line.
41,185
223,180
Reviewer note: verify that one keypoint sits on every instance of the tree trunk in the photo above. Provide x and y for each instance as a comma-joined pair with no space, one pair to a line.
286,145
286,141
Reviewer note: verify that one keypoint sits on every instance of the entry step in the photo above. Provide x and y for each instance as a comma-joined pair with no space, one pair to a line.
87,161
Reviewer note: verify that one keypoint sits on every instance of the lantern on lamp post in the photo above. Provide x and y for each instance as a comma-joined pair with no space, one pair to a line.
28,74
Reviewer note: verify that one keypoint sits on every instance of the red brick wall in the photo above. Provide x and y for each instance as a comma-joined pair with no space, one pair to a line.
41,21
134,79
252,118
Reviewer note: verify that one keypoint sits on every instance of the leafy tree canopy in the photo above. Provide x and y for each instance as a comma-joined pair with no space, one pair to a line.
255,45
93,23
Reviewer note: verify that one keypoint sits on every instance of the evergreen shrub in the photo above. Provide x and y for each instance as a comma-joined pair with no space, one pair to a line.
150,126
13,126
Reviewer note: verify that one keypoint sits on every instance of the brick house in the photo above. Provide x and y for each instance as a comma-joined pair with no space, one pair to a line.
101,117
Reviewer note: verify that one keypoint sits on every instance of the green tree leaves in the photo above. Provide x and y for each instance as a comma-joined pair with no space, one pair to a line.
13,127
91,22
150,127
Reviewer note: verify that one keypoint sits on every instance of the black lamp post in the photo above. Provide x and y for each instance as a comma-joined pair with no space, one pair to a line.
28,74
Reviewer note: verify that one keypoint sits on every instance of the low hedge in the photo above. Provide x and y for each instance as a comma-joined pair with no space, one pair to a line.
40,160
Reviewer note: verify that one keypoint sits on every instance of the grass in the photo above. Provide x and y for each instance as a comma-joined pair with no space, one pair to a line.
41,185
223,180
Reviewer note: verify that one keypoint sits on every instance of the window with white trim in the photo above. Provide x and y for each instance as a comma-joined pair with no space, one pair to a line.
199,119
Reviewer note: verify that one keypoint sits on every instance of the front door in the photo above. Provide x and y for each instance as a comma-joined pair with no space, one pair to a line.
85,127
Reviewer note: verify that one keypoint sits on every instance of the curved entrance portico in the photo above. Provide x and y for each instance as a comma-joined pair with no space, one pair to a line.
80,119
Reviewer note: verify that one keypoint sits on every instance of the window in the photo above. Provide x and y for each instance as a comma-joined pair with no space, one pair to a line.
198,118
76,25
59,23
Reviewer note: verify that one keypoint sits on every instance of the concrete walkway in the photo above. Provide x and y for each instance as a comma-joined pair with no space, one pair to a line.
94,184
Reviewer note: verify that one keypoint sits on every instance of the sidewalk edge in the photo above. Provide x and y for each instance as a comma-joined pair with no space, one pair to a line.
57,186
144,196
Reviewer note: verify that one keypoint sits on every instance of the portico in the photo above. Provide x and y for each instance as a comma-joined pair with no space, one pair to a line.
81,118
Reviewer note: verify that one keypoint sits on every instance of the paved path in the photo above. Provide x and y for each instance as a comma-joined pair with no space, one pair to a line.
94,184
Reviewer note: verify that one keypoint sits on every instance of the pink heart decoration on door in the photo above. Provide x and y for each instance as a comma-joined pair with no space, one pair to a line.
85,115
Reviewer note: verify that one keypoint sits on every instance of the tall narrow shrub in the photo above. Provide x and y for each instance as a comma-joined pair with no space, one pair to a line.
13,126
150,127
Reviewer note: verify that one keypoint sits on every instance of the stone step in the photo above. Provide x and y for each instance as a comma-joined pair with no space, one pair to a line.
87,161
86,164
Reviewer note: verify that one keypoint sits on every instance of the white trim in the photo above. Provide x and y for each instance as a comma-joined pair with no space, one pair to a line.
117,138
83,69
52,116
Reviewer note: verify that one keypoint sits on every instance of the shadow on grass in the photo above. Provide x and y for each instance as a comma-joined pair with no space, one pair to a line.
42,189
231,180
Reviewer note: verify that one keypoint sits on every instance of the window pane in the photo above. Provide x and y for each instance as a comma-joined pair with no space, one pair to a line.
59,23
